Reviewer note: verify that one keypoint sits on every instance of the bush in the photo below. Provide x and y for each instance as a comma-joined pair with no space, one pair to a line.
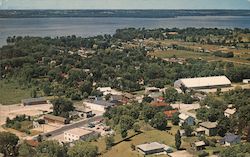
203,154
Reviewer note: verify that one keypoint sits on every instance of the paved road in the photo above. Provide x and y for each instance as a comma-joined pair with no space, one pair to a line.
71,126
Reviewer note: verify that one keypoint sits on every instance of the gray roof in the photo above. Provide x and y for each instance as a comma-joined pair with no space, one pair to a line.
209,125
150,146
32,100
229,137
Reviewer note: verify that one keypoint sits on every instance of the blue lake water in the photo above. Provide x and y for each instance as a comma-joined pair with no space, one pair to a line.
93,26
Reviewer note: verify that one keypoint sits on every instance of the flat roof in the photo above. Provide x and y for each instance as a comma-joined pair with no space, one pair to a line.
33,100
199,143
78,131
209,125
150,146
204,81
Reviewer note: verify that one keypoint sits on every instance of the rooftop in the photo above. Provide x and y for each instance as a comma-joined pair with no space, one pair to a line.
230,111
78,131
199,143
101,102
33,100
183,116
205,81
170,113
159,104
150,146
229,137
209,125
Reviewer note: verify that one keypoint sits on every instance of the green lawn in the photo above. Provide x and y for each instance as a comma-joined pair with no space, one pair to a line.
12,93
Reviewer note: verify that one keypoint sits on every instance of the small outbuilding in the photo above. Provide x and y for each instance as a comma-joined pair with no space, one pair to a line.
200,145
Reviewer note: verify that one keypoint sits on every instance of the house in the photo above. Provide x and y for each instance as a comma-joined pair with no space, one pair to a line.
169,114
34,101
229,112
49,118
182,132
209,127
186,119
98,105
200,131
76,134
230,139
159,104
203,82
199,145
149,90
153,148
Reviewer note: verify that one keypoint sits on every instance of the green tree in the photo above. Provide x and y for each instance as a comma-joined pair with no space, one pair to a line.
175,119
61,107
124,133
171,95
178,140
51,149
188,130
33,93
8,144
159,121
83,149
136,127
109,140
26,151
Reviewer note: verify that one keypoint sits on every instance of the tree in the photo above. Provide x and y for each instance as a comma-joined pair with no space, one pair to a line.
26,151
175,119
178,140
51,149
147,99
124,133
171,95
223,126
159,121
83,149
61,107
109,140
8,143
202,113
39,138
188,130
136,127
148,112
33,93
186,98
126,123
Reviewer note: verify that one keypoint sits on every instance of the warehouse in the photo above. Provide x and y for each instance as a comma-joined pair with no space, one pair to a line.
203,82
34,101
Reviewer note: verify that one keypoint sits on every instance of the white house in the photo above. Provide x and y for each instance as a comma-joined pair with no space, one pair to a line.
229,112
186,119
246,81
77,134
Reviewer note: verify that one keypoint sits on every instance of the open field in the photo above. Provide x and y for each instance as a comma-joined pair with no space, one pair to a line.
12,93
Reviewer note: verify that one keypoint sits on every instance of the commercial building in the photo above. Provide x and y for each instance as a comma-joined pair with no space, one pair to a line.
54,119
34,101
203,82
78,134
98,105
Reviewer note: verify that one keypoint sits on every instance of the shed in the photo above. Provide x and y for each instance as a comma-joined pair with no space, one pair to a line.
34,101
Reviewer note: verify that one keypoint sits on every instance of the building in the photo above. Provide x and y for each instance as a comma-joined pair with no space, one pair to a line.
159,104
203,82
230,139
49,118
169,114
186,119
149,90
34,101
209,127
153,148
98,105
199,145
229,112
246,81
78,134
200,131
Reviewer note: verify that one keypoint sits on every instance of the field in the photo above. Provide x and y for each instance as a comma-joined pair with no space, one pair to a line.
123,148
12,93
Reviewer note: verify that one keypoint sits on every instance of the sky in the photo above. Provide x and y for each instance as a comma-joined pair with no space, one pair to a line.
124,4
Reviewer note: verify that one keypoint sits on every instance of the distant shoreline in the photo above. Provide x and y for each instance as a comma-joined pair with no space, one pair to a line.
119,13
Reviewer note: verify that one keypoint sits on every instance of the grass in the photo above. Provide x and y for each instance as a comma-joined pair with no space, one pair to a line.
148,135
12,93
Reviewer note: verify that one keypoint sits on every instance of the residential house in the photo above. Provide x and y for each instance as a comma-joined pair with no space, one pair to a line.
186,119
209,127
200,145
230,139
169,114
200,131
229,112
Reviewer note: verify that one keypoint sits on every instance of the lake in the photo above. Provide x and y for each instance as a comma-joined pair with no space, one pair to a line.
93,26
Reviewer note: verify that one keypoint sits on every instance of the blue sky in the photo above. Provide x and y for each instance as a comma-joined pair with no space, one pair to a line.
124,4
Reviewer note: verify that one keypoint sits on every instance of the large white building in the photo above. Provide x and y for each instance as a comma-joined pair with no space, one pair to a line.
203,82
77,134
98,105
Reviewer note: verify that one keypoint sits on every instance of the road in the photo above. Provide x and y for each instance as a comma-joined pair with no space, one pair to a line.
71,126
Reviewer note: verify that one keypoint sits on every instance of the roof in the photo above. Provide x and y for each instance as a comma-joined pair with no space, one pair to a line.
104,89
150,146
230,111
57,118
78,131
209,125
32,100
159,104
183,116
32,143
204,81
170,113
199,144
229,137
101,102
199,129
